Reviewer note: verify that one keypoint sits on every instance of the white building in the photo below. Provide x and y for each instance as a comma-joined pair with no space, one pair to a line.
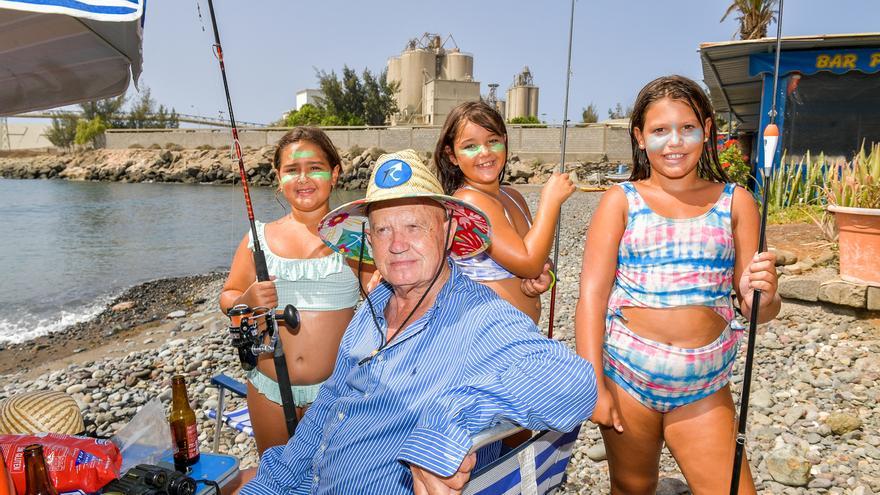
309,96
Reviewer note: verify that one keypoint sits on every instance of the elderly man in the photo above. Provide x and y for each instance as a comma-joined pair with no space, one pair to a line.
430,359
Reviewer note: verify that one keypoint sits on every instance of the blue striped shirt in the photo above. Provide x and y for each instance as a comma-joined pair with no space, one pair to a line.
470,361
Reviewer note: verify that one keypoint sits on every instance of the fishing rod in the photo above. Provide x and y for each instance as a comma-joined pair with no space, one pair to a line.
561,169
259,257
771,138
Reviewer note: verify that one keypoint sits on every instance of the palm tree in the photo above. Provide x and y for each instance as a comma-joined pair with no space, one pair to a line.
754,17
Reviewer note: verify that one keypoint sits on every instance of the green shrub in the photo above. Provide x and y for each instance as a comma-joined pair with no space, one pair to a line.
530,119
733,162
88,130
856,183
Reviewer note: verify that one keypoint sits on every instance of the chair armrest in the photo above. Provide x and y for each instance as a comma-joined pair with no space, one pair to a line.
493,434
225,381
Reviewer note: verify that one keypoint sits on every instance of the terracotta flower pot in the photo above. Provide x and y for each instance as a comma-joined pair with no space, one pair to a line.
859,243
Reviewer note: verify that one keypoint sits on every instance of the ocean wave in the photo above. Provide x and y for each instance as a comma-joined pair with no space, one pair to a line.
28,326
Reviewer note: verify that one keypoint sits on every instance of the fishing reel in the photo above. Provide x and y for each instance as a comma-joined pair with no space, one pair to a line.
250,327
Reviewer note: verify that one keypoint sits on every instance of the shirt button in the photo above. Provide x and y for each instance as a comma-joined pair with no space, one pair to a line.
315,479
341,416
379,358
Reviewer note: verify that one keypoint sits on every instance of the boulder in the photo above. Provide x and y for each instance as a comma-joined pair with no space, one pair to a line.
842,423
783,257
788,466
806,287
844,293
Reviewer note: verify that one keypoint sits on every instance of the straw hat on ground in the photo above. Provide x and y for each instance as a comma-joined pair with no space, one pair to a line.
40,412
396,176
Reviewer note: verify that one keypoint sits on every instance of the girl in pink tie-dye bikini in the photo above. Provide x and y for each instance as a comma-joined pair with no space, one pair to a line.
656,315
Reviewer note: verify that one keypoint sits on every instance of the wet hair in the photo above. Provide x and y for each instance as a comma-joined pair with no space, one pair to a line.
681,89
313,135
479,113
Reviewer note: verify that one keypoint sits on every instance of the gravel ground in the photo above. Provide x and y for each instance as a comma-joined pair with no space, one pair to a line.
814,412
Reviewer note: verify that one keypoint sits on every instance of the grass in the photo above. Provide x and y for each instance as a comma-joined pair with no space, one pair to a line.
794,214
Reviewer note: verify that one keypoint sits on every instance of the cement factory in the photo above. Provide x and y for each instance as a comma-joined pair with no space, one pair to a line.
434,79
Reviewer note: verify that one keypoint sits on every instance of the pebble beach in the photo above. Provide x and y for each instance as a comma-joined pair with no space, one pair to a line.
815,403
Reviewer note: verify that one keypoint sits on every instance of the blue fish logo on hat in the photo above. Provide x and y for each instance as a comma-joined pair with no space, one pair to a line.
393,173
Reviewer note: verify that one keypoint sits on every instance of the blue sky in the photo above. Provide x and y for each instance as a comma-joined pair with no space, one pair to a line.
273,47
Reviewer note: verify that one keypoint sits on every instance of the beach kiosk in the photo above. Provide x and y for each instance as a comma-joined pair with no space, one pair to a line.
828,96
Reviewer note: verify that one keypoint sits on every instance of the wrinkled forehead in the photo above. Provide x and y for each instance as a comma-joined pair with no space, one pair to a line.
420,210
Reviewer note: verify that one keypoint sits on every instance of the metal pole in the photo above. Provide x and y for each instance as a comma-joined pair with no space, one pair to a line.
561,169
771,138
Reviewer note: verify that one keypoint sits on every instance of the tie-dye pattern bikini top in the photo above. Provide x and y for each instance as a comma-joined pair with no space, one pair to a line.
670,262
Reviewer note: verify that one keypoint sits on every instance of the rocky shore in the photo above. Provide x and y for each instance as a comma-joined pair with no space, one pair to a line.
208,165
815,404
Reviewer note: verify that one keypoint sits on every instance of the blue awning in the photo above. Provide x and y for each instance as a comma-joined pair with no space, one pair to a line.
838,61
60,52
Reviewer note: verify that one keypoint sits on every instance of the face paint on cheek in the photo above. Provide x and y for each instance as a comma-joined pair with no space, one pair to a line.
288,177
472,152
692,136
302,154
322,175
656,143
497,147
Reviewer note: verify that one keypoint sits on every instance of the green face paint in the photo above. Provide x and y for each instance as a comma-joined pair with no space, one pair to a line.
497,147
472,151
322,175
302,154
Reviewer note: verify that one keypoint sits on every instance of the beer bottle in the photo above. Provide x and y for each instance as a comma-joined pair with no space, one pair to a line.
36,474
183,426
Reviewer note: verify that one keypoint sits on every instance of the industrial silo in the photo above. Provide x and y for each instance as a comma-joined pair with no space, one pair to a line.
393,69
416,66
533,101
517,102
458,66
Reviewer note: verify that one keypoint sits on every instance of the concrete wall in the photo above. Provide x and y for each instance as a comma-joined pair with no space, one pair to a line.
27,136
590,143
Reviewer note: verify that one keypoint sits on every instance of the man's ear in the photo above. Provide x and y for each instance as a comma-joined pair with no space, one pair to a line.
453,228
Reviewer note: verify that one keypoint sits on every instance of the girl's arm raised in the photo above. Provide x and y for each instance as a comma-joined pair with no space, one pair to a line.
523,256
597,278
752,270
240,286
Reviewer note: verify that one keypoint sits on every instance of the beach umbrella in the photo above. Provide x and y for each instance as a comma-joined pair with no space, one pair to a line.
61,52
561,168
259,257
771,138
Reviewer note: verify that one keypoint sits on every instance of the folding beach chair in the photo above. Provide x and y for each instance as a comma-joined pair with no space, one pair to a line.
239,418
536,467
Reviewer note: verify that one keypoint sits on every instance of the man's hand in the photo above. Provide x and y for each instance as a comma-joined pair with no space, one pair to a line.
534,287
428,483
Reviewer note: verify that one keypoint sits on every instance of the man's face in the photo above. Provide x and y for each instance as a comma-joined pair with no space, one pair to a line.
407,238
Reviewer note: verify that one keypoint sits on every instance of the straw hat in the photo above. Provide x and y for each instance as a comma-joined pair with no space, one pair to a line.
395,176
40,412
